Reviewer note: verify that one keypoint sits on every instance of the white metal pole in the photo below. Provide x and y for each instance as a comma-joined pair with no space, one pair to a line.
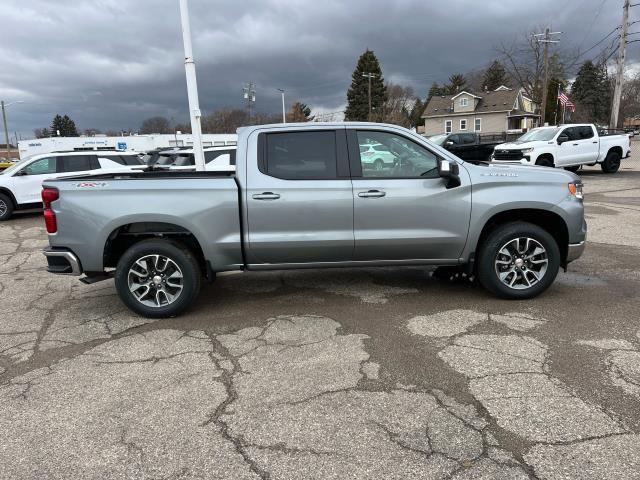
284,115
192,87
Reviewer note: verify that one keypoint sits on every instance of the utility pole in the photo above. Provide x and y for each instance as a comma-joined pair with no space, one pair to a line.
546,39
249,95
6,130
369,76
617,92
284,115
192,87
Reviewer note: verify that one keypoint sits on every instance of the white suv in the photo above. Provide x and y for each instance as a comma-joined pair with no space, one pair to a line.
376,156
21,184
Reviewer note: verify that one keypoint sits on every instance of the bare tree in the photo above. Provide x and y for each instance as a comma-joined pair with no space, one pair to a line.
156,125
41,132
398,105
524,60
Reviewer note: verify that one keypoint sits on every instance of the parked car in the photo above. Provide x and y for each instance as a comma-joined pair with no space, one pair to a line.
566,146
21,184
216,158
6,163
469,146
376,156
302,197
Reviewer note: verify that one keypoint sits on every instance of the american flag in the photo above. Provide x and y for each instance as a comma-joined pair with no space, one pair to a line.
564,100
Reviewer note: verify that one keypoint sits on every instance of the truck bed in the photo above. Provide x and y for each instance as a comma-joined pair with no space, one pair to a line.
91,209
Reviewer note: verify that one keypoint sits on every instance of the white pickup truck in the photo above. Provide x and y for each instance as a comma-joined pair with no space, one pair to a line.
566,146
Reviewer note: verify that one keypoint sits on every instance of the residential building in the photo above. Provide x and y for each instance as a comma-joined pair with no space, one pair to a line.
501,110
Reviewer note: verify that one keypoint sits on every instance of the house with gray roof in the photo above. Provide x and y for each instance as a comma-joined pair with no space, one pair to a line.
502,110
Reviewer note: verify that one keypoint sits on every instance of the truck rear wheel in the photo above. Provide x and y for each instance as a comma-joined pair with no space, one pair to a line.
611,163
6,207
518,260
157,278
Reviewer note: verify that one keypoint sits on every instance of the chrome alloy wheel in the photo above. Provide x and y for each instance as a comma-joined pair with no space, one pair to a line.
155,280
521,263
3,208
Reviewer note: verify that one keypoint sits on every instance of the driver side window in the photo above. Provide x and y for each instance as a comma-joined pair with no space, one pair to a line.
43,166
388,155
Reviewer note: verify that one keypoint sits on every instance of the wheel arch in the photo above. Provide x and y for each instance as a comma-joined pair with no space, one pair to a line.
616,149
10,194
548,155
545,219
123,237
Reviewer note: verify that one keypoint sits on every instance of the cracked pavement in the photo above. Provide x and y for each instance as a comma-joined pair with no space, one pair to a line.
359,373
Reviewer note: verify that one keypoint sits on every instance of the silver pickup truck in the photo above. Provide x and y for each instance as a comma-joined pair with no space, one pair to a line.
303,196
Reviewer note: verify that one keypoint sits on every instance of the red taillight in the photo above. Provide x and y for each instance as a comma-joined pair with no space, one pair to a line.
50,221
49,195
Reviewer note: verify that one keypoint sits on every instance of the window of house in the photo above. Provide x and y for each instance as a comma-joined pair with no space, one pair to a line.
478,125
464,102
301,155
448,126
463,124
394,156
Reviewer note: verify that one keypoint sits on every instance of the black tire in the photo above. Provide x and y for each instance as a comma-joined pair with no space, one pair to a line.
573,168
611,163
175,252
488,256
6,207
378,165
544,162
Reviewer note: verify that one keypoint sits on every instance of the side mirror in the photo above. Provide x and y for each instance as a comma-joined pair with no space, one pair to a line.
449,171
20,173
562,138
448,143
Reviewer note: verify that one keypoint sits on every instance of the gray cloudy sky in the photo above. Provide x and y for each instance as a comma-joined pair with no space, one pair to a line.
110,64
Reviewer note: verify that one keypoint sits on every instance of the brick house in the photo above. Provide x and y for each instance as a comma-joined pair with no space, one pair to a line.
502,110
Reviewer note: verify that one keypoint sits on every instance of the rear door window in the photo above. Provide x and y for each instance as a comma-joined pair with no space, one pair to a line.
585,132
468,138
301,155
77,163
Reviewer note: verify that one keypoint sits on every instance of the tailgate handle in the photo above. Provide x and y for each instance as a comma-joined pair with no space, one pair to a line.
372,194
266,196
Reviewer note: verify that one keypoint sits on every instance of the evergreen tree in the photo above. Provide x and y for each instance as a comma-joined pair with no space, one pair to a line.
299,113
553,112
64,125
415,116
357,95
456,84
435,91
591,92
494,76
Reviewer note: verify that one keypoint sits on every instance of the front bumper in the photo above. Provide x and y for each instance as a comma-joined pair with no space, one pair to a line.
575,251
62,262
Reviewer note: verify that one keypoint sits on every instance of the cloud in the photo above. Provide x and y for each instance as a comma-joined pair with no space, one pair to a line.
110,64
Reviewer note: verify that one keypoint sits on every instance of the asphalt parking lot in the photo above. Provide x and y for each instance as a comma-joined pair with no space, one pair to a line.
357,373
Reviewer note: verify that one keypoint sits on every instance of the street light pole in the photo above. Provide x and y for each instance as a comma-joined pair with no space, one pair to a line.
4,120
192,87
284,115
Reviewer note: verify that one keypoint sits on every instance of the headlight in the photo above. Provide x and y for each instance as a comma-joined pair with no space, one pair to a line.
527,150
575,189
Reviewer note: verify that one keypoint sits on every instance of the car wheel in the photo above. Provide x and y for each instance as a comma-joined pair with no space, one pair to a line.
544,162
6,207
573,169
157,278
611,163
378,165
518,260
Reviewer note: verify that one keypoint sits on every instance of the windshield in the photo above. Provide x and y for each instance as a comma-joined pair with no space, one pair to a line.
538,134
438,139
15,167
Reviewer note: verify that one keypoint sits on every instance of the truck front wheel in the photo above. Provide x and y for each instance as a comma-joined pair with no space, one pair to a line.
518,260
157,278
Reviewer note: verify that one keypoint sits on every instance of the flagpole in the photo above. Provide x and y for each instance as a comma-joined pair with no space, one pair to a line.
564,109
555,114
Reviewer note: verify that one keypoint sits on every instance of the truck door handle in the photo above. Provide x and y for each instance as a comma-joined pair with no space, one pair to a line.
575,144
266,196
595,141
372,194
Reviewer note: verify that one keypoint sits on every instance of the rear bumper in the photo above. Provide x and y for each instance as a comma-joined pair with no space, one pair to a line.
62,262
575,251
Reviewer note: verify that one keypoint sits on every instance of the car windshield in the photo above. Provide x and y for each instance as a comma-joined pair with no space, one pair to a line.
538,134
15,167
438,139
